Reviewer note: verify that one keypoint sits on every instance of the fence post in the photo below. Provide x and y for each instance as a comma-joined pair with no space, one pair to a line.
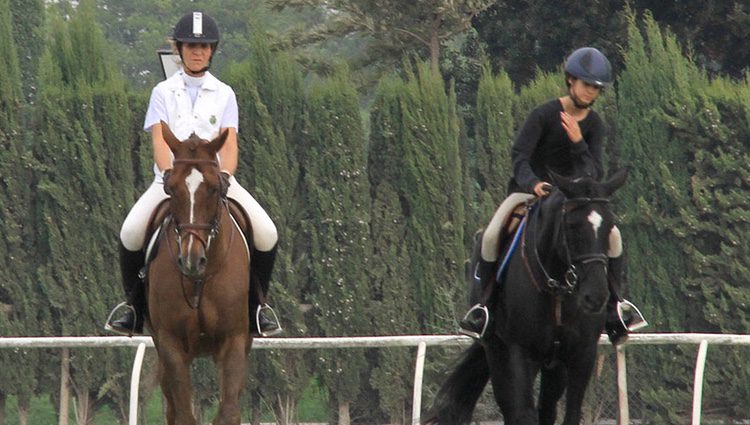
135,378
416,409
623,415
700,365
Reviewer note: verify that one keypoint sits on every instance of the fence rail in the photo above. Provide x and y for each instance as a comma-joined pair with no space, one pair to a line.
703,340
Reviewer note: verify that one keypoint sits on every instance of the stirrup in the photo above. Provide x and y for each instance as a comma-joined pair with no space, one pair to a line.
108,327
476,335
630,317
266,307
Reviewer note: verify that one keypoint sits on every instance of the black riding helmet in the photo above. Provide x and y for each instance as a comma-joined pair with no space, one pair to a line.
590,65
196,27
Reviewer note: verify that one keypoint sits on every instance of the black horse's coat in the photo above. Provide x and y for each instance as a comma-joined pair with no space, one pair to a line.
538,322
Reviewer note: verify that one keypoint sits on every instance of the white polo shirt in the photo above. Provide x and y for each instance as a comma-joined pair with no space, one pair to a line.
214,108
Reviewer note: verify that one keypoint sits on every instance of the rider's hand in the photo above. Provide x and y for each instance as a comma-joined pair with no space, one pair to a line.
542,189
224,181
571,127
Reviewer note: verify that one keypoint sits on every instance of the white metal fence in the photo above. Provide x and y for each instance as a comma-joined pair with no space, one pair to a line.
419,341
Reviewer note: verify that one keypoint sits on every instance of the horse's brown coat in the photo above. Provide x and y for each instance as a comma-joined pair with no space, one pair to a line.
219,326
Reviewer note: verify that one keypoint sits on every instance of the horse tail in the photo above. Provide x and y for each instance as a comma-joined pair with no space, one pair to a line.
455,401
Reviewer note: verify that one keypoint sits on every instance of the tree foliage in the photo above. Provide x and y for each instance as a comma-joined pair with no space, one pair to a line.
84,178
390,27
336,194
521,35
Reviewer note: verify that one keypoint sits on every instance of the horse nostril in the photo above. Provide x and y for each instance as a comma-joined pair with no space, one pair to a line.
202,261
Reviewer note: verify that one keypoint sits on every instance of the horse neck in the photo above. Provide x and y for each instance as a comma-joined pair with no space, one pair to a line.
547,233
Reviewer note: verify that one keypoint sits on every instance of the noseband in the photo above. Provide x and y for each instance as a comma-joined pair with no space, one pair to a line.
570,277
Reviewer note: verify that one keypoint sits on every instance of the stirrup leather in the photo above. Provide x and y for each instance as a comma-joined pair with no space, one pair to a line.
473,334
630,317
267,308
108,324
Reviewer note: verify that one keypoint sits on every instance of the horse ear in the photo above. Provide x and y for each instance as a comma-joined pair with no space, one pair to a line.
217,143
559,180
169,137
615,181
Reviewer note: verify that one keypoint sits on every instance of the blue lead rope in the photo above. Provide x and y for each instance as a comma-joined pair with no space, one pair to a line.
512,249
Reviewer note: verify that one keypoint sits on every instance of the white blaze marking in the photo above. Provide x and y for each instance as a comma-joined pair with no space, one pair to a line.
596,221
193,182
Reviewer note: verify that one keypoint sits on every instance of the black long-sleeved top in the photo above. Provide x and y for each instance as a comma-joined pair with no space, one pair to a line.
543,143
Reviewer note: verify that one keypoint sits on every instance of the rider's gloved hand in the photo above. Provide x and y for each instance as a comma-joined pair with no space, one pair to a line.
224,177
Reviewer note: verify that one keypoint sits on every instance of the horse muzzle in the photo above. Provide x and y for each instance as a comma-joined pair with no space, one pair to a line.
192,265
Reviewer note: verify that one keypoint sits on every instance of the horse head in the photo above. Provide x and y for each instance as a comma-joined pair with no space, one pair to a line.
196,191
587,236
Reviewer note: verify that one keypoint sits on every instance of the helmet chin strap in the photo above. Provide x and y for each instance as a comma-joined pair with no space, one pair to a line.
577,102
200,71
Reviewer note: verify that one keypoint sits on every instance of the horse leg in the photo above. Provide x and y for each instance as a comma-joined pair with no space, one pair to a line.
231,361
512,382
176,385
579,373
551,389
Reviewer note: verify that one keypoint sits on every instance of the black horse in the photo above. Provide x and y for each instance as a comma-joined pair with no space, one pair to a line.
548,314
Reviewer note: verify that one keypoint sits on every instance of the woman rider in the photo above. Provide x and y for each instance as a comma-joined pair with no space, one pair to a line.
565,136
194,101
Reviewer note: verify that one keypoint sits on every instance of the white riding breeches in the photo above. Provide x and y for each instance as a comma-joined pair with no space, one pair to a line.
491,236
133,231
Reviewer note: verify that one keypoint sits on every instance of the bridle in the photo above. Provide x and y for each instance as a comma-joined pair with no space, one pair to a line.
569,281
559,288
194,228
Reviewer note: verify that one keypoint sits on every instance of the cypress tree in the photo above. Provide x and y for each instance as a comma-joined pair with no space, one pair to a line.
336,223
657,77
18,299
10,78
393,307
417,222
271,101
494,137
713,231
85,180
28,24
431,185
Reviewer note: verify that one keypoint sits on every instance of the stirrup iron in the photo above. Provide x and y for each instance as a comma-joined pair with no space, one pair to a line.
473,334
266,307
109,328
630,317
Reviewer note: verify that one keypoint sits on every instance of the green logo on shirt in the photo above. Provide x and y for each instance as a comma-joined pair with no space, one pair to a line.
212,120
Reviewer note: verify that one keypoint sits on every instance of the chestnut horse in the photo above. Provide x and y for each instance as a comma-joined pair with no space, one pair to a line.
198,283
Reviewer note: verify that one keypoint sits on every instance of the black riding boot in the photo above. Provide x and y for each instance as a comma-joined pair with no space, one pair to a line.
616,332
130,323
263,319
475,321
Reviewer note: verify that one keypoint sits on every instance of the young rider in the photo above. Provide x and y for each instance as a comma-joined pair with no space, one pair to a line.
565,136
194,101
